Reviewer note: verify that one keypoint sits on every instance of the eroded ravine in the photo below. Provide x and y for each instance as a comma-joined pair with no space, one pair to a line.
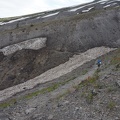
73,63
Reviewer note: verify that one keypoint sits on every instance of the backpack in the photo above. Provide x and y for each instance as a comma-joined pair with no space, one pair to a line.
99,62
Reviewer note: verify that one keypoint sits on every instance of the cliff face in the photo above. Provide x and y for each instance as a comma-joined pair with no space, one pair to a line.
67,30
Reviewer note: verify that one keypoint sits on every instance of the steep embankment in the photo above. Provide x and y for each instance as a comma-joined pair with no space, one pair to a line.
68,31
84,93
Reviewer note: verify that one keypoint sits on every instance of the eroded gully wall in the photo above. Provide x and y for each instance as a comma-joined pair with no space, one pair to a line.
76,33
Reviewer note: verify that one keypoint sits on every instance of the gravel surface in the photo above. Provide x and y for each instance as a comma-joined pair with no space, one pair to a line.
86,93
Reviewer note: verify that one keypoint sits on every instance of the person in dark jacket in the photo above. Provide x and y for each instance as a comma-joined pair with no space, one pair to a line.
99,63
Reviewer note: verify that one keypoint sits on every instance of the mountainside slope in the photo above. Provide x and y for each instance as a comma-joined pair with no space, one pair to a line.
67,31
48,65
70,29
86,93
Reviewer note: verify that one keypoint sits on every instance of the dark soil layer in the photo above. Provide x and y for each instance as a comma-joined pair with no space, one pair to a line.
27,64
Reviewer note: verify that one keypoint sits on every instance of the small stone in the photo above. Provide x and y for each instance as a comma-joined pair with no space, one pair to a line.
1,56
59,105
28,111
1,69
3,117
37,116
81,108
117,118
66,102
106,76
118,83
18,74
50,117
71,90
76,108
118,66
94,92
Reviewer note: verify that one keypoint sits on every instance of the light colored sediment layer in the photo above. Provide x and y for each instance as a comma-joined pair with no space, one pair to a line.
34,44
73,63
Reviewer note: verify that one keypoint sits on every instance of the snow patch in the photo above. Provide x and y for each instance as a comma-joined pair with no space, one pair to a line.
1,23
106,6
88,9
50,15
38,17
33,44
101,2
113,4
110,2
23,18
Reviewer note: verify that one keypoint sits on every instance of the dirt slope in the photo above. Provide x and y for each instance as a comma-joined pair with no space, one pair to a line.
50,74
27,64
68,98
61,81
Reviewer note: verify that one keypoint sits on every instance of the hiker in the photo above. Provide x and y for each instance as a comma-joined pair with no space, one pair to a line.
99,63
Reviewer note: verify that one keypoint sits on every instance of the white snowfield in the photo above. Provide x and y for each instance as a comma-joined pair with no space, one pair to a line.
72,9
50,15
34,44
88,9
106,6
62,69
89,4
22,18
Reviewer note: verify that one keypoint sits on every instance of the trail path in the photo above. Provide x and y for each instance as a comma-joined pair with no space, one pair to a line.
73,63
73,83
62,90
